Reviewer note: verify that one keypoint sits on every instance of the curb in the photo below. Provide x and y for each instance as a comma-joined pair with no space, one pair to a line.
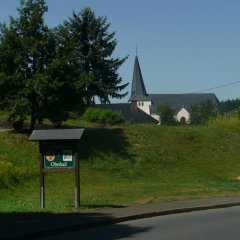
76,227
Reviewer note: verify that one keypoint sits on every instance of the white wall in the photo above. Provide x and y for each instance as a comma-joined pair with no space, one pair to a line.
156,116
183,113
144,106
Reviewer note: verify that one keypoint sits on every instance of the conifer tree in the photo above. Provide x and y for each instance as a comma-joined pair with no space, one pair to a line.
93,48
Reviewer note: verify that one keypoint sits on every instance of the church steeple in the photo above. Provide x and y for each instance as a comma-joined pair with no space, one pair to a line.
138,91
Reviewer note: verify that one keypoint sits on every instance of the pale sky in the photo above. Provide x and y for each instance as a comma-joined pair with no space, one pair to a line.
184,46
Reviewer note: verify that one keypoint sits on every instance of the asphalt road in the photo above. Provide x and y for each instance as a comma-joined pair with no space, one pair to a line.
217,224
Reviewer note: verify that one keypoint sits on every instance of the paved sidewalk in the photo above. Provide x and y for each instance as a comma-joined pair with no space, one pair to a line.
35,225
5,129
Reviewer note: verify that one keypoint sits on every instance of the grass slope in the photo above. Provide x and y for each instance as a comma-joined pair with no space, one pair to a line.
133,164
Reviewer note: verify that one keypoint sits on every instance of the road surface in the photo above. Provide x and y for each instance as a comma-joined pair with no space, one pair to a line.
217,224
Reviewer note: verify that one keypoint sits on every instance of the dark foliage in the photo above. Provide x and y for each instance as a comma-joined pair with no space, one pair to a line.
166,115
200,114
229,105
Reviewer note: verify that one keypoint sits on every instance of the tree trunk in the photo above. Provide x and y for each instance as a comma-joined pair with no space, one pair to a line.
33,121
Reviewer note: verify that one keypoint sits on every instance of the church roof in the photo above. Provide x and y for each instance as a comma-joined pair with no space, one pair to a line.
178,101
138,91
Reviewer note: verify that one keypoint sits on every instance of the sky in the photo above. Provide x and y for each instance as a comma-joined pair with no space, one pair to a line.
183,46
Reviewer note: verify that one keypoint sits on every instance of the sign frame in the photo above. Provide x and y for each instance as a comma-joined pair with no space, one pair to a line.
43,169
60,140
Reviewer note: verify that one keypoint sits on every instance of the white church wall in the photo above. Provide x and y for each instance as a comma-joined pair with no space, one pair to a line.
183,114
156,116
144,106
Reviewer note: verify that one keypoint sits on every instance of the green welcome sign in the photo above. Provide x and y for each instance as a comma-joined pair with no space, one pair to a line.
59,157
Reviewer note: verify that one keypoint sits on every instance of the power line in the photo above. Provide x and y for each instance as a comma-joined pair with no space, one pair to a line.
220,86
200,91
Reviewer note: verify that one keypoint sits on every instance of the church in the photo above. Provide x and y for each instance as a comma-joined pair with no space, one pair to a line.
142,106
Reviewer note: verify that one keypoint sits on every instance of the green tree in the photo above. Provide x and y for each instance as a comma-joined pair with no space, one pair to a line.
93,48
26,50
166,114
200,114
38,77
66,84
229,105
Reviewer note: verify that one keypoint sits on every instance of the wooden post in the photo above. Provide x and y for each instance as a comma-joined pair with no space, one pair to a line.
77,178
42,183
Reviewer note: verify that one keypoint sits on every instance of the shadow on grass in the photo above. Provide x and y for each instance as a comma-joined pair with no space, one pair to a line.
97,141
38,225
106,141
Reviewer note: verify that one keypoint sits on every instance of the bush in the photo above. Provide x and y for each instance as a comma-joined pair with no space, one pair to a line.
10,174
92,114
103,116
166,115
201,114
223,122
18,125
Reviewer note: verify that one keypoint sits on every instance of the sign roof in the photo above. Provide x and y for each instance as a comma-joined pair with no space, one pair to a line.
56,134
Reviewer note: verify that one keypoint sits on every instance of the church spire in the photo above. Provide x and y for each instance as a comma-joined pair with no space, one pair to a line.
138,91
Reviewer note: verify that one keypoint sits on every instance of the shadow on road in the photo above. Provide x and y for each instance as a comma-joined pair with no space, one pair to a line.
38,225
113,232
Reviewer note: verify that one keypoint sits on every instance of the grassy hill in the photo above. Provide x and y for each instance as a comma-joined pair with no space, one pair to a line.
131,164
